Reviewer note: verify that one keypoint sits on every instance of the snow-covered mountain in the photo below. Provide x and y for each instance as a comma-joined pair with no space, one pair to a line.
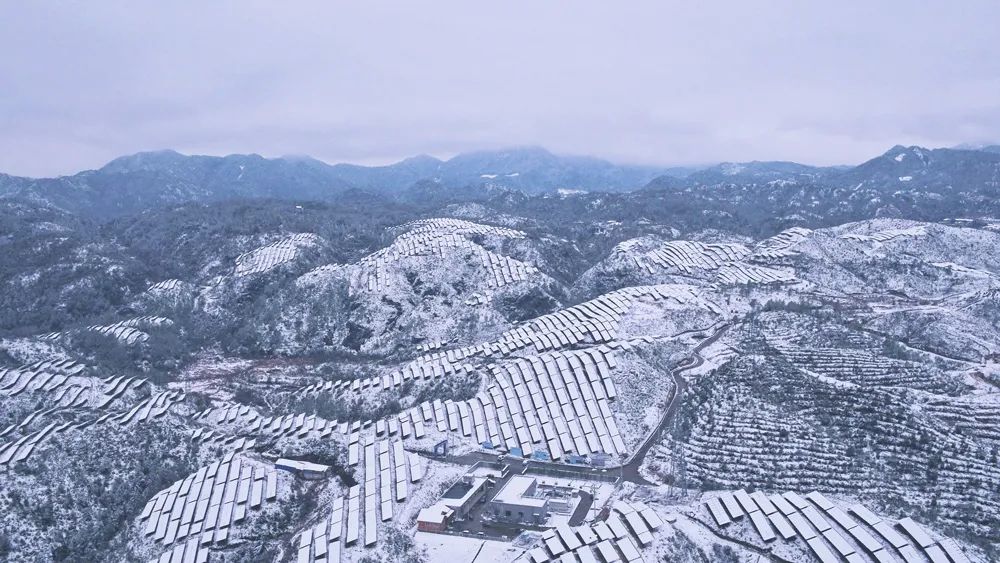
135,182
905,181
674,373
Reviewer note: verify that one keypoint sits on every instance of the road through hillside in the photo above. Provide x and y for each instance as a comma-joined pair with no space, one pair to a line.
630,470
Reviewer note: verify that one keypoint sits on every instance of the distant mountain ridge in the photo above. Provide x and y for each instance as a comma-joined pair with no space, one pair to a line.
154,179
904,182
942,171
134,182
757,171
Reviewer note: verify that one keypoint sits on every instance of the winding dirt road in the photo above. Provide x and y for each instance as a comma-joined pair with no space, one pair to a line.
630,469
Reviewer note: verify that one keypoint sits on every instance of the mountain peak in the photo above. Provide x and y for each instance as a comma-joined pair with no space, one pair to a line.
143,161
899,153
421,159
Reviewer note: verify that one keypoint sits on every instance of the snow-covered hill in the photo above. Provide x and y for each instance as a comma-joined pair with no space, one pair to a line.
644,376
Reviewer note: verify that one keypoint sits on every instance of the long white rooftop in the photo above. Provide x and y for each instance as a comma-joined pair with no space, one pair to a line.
514,492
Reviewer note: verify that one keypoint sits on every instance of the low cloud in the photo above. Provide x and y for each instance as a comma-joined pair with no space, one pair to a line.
650,82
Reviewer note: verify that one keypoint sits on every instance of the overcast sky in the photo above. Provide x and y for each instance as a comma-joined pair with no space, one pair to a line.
373,82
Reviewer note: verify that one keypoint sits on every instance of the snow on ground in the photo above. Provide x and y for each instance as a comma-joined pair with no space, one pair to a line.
958,268
29,350
668,318
459,549
203,375
437,478
644,377
687,539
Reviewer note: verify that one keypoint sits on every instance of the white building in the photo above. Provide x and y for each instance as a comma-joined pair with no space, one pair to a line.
518,502
304,469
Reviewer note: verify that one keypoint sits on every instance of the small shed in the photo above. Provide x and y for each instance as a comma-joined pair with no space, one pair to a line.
304,469
434,518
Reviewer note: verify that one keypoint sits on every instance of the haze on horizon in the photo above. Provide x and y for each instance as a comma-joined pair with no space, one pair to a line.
649,82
